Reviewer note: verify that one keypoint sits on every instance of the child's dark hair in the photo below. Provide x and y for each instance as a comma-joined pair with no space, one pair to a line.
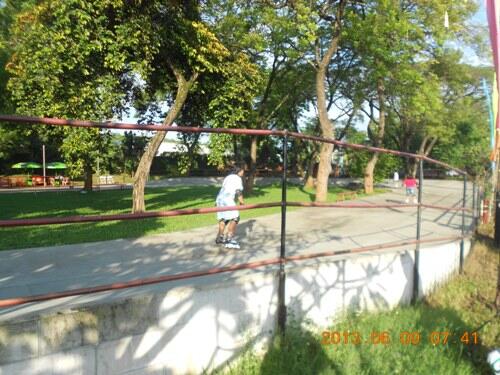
236,169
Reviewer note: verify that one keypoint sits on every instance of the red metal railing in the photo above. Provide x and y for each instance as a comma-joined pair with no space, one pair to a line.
188,129
11,302
200,211
283,204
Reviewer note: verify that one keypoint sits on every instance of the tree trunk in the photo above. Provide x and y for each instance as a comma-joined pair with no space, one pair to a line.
325,156
309,178
326,149
377,141
249,183
324,169
369,169
142,172
424,149
413,168
87,184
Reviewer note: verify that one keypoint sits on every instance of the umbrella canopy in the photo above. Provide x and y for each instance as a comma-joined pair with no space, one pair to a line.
56,165
27,165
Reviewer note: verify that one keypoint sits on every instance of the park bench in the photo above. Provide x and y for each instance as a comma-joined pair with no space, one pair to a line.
106,180
346,195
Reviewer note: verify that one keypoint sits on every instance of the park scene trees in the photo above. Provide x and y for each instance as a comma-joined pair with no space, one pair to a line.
390,69
328,104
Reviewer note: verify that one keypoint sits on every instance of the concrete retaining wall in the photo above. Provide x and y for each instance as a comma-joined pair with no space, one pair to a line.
188,329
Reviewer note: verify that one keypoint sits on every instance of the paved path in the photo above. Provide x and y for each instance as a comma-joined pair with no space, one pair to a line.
43,270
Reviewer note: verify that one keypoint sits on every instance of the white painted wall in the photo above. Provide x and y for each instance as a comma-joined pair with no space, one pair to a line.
195,328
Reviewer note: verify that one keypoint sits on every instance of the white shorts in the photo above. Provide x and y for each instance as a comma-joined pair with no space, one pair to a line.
226,215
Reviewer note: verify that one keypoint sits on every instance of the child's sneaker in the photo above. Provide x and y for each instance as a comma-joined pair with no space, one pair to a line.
231,243
220,240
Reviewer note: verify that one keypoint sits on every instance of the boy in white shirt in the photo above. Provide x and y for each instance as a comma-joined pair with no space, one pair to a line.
232,189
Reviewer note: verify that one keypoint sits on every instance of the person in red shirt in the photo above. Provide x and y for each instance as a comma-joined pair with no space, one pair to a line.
410,183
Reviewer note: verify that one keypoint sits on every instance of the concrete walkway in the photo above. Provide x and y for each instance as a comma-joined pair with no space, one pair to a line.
43,270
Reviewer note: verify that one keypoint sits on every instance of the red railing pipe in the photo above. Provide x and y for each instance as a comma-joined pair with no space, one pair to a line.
189,129
198,211
10,302
126,126
129,216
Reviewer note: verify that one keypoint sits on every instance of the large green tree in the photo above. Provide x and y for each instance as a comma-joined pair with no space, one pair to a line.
463,140
328,20
95,59
18,142
64,64
396,43
274,36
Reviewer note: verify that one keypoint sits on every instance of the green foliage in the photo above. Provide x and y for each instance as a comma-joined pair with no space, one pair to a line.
132,146
468,146
276,38
94,59
233,104
386,165
301,350
463,134
461,305
57,70
356,160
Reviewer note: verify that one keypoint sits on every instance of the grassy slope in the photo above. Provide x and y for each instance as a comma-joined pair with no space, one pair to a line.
464,304
48,204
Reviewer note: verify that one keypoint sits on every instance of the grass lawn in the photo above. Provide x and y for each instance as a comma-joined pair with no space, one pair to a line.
66,203
464,304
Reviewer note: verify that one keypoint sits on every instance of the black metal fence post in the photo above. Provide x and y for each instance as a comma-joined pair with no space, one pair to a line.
461,266
474,206
416,273
282,275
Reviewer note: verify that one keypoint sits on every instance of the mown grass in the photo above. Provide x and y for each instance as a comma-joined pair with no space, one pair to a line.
464,304
68,203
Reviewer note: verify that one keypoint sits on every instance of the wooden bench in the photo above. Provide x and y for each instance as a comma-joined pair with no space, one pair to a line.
346,195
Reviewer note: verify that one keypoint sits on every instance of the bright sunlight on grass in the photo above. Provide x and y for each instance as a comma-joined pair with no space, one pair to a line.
461,314
50,204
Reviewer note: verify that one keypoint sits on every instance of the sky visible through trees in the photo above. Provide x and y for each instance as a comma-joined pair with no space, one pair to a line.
387,73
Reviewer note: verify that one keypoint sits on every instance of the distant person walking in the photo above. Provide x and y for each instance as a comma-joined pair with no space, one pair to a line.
396,179
232,190
410,183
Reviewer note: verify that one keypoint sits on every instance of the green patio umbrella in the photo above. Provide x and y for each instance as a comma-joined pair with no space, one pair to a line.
56,165
27,165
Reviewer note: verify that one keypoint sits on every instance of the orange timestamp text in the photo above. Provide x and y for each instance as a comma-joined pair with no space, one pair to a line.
402,338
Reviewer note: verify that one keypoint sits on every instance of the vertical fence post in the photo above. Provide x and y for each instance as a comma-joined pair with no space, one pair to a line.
461,266
474,206
416,273
282,275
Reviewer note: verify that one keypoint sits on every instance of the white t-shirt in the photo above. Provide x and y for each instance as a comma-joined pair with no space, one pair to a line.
231,184
226,196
